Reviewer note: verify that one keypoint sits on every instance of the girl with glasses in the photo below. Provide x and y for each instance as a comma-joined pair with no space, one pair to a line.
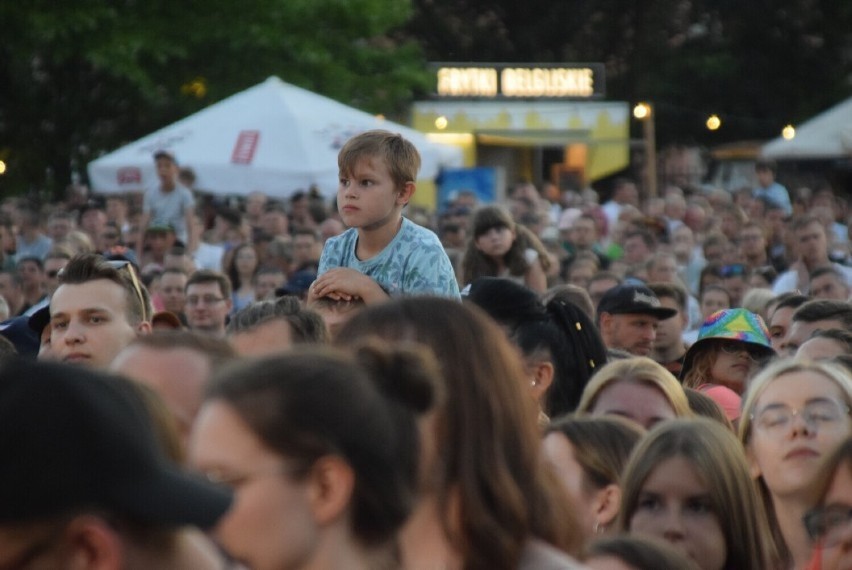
795,413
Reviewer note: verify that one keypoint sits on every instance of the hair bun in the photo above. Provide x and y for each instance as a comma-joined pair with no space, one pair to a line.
406,373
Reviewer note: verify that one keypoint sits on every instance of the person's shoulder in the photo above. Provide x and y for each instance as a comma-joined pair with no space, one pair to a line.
185,192
538,555
418,232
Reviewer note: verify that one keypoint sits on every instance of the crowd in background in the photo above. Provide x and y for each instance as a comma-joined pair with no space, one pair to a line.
636,382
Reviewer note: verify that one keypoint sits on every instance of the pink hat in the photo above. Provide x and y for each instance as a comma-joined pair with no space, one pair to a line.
727,399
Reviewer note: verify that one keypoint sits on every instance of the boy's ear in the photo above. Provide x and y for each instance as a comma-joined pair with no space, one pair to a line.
405,193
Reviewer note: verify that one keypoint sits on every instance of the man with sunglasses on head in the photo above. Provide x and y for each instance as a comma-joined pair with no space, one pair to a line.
99,307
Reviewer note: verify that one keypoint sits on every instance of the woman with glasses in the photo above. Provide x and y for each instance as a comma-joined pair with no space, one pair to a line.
795,413
829,524
731,344
321,451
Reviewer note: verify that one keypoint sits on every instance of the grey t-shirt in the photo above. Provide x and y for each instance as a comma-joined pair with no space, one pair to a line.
169,208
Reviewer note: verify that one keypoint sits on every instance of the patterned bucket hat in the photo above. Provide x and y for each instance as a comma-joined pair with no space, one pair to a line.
731,324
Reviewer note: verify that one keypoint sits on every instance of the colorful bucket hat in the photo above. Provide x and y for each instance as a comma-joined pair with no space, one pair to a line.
731,324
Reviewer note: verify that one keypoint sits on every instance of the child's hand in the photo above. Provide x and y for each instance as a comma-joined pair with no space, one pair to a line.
343,283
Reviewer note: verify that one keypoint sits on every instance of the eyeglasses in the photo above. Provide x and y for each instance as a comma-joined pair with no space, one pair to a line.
736,347
122,264
776,419
828,523
735,270
203,300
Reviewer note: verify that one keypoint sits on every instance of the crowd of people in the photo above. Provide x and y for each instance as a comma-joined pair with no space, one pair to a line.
553,381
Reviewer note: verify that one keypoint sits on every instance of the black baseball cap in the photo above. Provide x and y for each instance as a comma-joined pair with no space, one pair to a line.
77,439
633,300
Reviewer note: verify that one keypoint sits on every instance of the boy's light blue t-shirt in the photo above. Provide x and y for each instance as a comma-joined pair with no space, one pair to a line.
413,263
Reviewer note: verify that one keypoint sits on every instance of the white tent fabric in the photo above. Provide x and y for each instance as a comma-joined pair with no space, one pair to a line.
827,135
274,137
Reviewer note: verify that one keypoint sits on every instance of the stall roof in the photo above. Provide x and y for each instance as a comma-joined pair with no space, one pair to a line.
827,135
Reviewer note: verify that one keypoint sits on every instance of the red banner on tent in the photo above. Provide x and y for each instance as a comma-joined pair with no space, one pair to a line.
245,147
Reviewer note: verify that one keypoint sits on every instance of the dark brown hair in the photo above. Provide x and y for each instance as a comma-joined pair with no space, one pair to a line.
87,267
477,264
210,276
361,407
306,325
487,434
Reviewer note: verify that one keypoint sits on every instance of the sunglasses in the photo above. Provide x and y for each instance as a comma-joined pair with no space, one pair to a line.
123,264
735,270
736,347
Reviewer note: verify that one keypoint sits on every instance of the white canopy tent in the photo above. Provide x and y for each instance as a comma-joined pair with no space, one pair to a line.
825,136
274,137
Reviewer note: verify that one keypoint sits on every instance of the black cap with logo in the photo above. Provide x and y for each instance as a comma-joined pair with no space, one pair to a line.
633,300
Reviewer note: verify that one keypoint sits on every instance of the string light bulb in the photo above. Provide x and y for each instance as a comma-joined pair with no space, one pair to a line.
714,122
441,123
642,111
788,132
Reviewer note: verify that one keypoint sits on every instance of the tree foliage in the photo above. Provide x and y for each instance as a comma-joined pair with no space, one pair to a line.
80,78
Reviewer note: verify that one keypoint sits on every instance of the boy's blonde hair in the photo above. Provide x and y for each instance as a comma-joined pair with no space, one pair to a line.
400,156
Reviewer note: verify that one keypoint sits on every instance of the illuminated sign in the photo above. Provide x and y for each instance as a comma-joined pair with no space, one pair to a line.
575,81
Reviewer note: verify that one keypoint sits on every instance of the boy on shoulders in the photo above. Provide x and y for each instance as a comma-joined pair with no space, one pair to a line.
382,254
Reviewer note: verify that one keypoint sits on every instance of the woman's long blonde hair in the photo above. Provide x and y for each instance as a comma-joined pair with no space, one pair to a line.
758,385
